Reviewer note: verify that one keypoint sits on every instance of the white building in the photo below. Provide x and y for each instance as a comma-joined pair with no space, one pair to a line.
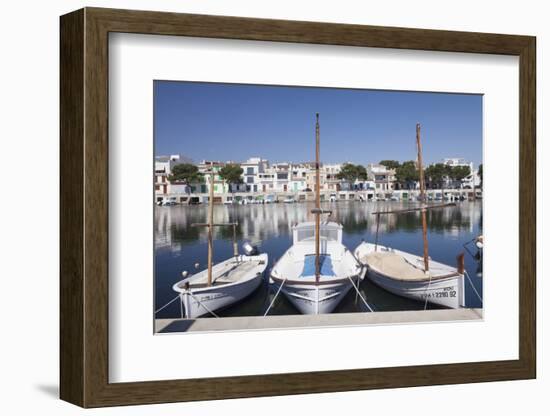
163,168
382,177
470,181
252,169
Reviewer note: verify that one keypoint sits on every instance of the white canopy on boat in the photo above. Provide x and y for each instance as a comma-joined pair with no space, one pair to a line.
305,232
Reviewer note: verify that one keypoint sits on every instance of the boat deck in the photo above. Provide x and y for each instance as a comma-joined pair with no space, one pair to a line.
230,271
397,267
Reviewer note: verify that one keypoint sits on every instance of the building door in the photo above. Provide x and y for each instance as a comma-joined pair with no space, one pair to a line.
284,188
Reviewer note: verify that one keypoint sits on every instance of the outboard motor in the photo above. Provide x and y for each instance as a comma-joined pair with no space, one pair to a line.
249,249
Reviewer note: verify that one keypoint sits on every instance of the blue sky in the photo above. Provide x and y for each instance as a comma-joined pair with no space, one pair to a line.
219,121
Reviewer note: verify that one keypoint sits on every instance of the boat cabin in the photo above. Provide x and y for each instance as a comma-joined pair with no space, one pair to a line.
305,232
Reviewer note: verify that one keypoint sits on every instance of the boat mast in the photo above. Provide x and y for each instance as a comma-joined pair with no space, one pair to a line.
317,202
422,198
210,225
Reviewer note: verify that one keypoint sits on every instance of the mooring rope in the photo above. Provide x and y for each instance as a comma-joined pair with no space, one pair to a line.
473,287
426,293
275,297
202,304
360,295
162,307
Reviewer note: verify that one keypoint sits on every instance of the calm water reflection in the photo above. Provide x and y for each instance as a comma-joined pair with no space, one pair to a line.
178,246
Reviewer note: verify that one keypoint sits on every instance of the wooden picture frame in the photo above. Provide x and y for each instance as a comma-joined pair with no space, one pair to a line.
84,207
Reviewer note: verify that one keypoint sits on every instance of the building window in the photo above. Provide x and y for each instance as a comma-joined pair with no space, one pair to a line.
250,179
250,171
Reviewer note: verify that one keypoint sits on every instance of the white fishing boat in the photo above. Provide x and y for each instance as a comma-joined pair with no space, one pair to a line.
225,283
317,271
296,271
232,280
412,276
403,274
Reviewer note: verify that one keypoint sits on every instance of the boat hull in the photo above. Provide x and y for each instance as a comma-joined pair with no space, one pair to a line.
202,302
207,300
443,292
315,299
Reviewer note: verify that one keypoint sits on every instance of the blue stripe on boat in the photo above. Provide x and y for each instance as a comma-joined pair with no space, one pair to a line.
309,265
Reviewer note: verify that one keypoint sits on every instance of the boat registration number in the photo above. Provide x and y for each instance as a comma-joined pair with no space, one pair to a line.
447,292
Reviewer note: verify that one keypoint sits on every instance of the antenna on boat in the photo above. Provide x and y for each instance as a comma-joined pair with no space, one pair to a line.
422,199
317,202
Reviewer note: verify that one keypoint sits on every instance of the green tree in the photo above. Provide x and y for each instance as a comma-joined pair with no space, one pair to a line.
186,173
458,173
480,174
406,174
390,164
231,173
436,174
351,173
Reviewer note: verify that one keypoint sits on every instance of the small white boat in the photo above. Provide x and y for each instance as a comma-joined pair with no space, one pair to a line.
406,274
289,200
403,274
221,284
232,280
296,269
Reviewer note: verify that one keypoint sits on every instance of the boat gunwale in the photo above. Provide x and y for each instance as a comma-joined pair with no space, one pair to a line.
427,279
401,253
313,282
203,287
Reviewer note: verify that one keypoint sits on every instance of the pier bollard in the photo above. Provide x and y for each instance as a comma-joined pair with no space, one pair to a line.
460,263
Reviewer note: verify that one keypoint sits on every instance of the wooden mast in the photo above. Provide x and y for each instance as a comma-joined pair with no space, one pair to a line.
422,199
210,225
317,203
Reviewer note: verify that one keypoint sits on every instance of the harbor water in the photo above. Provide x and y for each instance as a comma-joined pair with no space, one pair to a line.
180,247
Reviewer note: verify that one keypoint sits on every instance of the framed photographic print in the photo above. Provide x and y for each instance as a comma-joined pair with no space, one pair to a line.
256,207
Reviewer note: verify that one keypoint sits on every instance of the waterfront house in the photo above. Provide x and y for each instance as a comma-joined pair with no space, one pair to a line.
163,168
252,169
382,177
469,182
